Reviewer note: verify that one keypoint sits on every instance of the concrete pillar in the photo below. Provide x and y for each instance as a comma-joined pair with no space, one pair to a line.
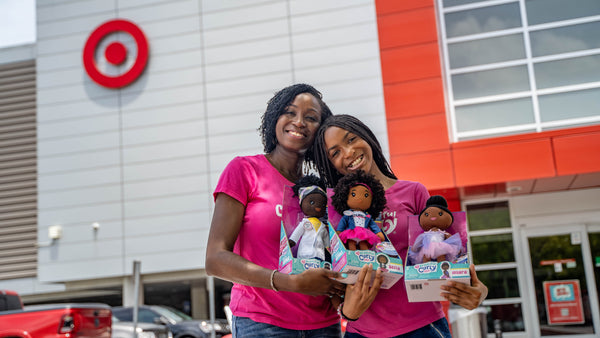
199,297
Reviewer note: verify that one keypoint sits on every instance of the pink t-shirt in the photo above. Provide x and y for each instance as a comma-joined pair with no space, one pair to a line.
255,183
391,314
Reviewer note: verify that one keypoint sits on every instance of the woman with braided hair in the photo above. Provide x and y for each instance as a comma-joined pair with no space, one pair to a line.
243,242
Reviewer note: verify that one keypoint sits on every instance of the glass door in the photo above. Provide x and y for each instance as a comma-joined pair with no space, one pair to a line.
561,277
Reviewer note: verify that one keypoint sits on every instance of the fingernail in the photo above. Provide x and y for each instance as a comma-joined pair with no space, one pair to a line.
344,275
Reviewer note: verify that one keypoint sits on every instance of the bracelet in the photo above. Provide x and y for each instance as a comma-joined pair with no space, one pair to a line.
272,283
342,315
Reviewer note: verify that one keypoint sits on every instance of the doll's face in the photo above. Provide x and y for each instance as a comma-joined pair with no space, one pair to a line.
359,198
313,205
434,217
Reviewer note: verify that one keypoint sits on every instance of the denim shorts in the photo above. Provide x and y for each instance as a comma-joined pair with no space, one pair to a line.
243,327
439,328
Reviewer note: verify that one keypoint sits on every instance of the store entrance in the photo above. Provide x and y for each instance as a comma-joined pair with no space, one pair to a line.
563,280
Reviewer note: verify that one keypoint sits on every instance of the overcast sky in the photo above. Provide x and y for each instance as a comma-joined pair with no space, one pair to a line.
17,22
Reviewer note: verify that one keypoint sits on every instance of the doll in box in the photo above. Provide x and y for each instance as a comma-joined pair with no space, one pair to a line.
435,244
360,198
311,233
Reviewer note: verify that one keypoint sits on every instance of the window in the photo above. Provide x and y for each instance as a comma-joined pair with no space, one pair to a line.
492,251
520,66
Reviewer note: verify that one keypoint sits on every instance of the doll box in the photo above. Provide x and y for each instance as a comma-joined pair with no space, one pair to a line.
350,262
423,280
290,265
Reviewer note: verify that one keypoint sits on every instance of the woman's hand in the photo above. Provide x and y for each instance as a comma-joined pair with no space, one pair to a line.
467,296
359,296
317,282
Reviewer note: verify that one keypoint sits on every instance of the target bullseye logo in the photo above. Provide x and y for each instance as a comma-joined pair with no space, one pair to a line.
115,53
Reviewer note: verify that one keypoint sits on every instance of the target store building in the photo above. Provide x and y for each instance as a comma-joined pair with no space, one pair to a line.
117,122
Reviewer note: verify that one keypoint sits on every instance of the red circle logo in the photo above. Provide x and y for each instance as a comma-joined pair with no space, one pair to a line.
115,53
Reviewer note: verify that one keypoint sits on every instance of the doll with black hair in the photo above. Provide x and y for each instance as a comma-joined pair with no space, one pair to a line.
311,234
435,244
360,198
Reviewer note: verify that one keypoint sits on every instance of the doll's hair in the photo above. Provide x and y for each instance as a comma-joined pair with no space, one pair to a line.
342,189
277,106
356,127
307,181
437,201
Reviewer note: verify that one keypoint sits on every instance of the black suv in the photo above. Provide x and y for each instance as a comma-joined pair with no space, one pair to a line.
178,322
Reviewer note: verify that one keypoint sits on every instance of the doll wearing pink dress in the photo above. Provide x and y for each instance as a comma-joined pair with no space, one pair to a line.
360,198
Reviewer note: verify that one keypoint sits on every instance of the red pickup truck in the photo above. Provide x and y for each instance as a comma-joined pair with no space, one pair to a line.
52,320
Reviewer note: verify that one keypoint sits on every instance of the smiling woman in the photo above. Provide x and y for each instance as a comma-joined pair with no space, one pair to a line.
17,22
243,243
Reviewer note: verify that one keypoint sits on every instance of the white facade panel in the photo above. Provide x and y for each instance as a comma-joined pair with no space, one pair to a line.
157,225
240,15
164,151
62,44
74,178
312,6
209,6
222,143
250,49
246,33
84,214
80,197
78,127
169,204
337,54
156,262
152,98
234,124
75,109
187,165
160,11
81,269
73,9
247,68
76,251
175,44
247,104
314,40
161,114
78,144
171,242
67,164
180,60
327,19
79,25
166,132
248,85
159,187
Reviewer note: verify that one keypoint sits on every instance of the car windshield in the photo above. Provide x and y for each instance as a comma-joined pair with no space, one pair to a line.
171,313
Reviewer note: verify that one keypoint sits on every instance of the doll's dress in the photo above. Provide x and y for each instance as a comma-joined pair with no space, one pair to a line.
358,226
432,244
313,236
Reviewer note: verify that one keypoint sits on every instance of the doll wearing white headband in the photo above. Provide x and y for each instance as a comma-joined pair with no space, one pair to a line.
311,233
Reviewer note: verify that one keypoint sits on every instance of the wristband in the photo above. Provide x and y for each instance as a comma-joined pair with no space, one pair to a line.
272,283
342,315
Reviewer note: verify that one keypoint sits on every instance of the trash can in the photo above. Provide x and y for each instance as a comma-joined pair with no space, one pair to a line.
468,323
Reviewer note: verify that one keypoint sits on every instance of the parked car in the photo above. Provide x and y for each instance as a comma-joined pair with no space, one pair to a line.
121,329
70,320
178,322
10,300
